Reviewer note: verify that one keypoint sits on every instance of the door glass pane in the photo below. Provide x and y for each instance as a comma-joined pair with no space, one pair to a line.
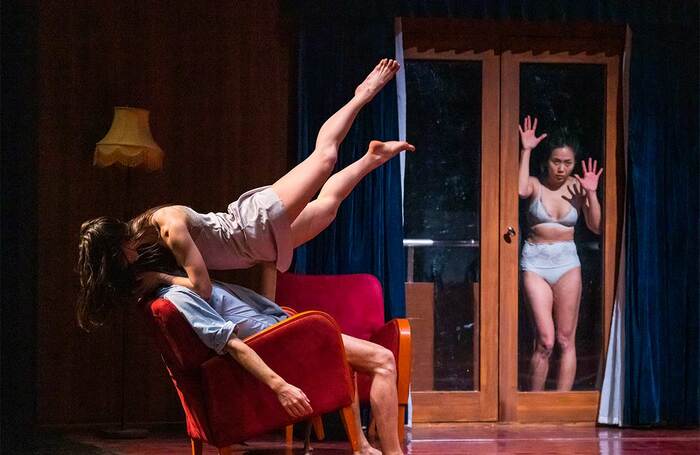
560,338
441,221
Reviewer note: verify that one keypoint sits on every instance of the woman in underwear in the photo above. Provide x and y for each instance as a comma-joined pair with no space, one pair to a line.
550,266
264,225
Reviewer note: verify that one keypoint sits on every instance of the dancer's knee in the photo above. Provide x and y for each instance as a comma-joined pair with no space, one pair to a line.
566,341
544,346
385,364
327,157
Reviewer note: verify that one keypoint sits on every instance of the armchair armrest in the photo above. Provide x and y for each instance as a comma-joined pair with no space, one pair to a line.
395,335
306,350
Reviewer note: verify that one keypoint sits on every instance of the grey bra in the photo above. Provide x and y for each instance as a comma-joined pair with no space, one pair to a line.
537,214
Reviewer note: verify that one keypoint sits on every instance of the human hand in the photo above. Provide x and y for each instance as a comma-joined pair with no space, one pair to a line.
589,176
293,400
575,192
528,138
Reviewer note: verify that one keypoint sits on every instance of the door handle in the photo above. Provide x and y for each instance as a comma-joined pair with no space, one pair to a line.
509,234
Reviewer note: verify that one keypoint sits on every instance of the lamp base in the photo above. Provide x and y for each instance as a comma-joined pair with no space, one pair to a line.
125,433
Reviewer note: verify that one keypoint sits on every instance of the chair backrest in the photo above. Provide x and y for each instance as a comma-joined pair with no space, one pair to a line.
182,350
354,300
183,353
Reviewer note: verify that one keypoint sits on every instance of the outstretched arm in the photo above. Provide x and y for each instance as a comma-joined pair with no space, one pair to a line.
529,141
292,399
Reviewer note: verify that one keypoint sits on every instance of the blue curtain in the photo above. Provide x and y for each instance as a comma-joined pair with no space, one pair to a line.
367,235
661,318
662,354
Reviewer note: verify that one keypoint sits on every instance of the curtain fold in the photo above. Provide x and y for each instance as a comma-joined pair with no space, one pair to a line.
662,354
612,389
367,235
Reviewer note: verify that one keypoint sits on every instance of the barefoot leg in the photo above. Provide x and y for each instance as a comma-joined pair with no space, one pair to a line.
298,186
320,212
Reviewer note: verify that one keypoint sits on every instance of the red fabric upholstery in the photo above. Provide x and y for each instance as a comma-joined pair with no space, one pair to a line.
355,301
223,403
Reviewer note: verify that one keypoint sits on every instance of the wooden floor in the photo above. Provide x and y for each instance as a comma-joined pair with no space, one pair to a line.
434,439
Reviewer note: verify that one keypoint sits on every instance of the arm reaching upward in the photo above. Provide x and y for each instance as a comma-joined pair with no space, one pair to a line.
529,141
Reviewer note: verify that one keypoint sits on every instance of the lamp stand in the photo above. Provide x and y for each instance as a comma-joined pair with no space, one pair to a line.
123,432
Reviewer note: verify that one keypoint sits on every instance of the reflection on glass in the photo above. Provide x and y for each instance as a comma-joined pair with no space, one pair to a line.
560,214
441,221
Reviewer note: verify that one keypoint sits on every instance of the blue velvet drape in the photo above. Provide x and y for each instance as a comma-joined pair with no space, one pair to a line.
662,348
367,235
662,354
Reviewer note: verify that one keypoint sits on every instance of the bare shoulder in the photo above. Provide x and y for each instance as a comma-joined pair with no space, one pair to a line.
170,215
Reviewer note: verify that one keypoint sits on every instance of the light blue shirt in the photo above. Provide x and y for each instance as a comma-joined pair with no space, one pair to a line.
231,311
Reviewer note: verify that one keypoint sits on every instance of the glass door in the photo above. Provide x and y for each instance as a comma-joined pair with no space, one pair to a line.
478,343
558,244
451,233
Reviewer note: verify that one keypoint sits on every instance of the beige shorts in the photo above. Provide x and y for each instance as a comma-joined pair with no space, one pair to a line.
263,222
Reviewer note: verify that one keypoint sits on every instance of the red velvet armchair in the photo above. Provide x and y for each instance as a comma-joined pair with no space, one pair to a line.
356,302
224,404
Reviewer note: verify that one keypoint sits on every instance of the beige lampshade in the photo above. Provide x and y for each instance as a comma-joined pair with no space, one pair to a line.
129,141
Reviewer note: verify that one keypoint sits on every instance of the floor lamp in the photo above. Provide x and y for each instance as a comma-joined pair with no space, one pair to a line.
128,143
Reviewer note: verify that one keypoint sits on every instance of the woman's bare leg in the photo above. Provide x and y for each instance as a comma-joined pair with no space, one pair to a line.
320,212
539,296
298,186
567,298
379,362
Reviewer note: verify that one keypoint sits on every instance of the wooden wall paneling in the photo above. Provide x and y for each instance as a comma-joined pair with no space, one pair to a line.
215,79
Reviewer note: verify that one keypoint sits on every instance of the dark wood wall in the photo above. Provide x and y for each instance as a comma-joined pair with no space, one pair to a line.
216,78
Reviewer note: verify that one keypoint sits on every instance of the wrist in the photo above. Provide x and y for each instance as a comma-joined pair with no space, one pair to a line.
526,150
276,384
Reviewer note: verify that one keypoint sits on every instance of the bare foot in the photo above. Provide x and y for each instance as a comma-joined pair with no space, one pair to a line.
377,79
381,152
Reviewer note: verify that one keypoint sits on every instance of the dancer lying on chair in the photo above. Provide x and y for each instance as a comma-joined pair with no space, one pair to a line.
121,262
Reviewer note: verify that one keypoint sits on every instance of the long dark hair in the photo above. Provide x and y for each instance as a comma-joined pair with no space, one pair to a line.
105,276
107,280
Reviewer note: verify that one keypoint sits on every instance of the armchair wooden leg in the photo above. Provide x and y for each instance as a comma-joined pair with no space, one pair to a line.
402,422
288,434
307,437
318,428
349,422
196,446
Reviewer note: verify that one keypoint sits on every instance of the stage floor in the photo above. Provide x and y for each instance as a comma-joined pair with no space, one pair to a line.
425,439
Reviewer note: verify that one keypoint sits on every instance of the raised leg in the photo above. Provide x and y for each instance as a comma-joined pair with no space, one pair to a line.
320,212
539,297
298,186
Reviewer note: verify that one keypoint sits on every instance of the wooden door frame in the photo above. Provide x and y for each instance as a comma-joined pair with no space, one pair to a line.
515,405
481,404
